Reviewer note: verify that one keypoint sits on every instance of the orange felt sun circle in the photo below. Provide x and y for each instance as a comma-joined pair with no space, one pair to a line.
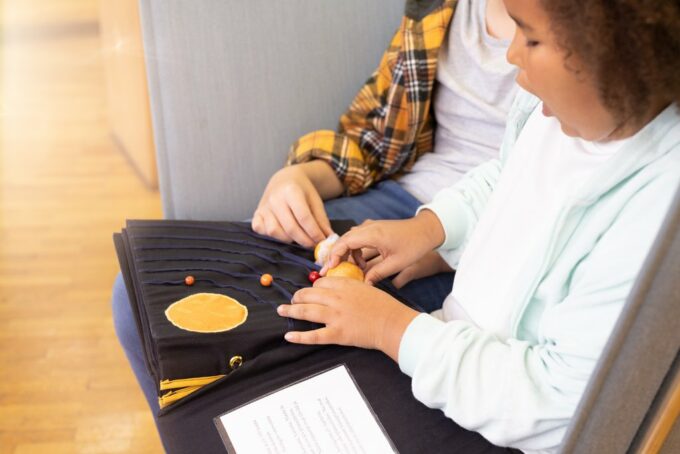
207,313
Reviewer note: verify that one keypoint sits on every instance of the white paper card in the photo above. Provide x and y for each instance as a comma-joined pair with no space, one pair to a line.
325,413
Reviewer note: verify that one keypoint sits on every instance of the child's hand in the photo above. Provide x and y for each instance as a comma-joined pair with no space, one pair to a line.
354,313
291,207
428,265
398,244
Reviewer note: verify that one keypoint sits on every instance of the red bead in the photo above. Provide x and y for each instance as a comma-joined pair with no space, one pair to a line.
266,280
313,276
189,280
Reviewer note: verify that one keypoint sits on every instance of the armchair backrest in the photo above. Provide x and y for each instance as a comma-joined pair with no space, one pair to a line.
639,368
234,83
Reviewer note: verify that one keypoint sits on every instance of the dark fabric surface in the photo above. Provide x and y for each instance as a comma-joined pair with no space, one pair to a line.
156,256
226,258
223,257
412,427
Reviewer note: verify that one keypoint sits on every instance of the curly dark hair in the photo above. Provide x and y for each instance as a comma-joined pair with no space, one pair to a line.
631,46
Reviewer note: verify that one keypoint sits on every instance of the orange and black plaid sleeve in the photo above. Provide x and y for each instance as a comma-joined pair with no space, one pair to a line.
388,124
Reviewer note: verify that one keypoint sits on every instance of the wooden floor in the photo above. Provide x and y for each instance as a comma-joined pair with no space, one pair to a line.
64,189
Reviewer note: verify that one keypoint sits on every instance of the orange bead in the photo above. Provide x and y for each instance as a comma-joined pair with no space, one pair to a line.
266,280
189,280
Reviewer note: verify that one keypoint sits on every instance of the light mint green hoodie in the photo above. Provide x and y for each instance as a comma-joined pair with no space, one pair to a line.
521,392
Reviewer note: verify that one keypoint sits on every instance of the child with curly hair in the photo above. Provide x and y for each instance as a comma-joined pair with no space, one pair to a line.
547,240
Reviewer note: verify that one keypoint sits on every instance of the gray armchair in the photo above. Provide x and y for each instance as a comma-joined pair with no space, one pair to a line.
633,396
234,83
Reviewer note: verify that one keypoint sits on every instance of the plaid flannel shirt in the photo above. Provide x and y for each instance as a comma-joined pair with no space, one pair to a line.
389,123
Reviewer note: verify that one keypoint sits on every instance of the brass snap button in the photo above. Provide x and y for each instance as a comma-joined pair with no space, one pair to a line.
235,362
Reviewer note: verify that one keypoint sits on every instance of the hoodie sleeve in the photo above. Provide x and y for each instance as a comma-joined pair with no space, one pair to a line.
519,393
459,207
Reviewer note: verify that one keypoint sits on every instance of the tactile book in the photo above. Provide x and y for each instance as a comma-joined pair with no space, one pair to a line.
201,304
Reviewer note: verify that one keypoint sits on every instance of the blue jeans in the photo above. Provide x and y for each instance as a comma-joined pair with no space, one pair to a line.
387,200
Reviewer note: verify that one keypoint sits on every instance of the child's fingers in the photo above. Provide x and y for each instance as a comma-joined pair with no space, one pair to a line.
317,336
350,241
339,252
319,213
381,270
369,253
318,294
327,291
305,218
404,277
309,312
358,258
428,265
289,224
372,263
273,228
